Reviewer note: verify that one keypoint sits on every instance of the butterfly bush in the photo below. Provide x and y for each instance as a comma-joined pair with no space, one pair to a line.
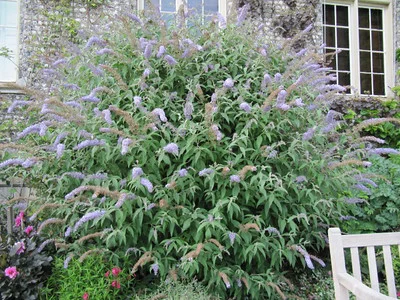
193,132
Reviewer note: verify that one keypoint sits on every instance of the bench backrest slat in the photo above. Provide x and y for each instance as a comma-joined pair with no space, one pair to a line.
387,256
355,263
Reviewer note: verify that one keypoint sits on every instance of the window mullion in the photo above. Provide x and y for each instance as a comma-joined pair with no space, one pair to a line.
354,48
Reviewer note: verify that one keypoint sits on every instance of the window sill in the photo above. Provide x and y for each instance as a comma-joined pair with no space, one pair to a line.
12,88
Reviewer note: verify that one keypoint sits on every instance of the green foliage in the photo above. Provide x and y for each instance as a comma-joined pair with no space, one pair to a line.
93,276
387,131
178,291
381,210
22,250
256,195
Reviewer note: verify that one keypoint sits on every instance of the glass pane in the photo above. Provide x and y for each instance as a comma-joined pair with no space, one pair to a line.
196,5
168,5
377,40
8,38
342,15
153,4
8,71
168,18
379,85
363,17
366,87
8,13
330,37
376,19
343,38
365,61
344,61
378,62
329,15
364,40
344,79
210,6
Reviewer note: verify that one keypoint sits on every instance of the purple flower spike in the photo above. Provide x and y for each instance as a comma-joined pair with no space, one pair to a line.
77,175
171,148
299,102
228,83
98,176
188,110
147,184
107,116
281,97
137,101
300,179
170,60
17,103
29,162
11,162
308,135
278,77
60,150
155,268
242,14
160,113
89,216
134,18
182,172
235,178
148,50
267,80
59,62
206,172
382,151
95,40
232,237
161,51
245,106
125,145
104,51
67,260
121,200
137,172
89,143
146,73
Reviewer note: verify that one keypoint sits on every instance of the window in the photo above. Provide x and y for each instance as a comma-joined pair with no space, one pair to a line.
206,8
358,40
9,38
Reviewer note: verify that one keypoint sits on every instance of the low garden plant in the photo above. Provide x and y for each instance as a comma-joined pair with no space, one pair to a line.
191,152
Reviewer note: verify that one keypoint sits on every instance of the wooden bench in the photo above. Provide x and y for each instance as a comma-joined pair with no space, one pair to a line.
345,282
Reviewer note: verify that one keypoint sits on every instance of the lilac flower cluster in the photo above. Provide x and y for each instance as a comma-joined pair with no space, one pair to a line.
182,172
107,115
60,150
170,60
234,178
147,184
383,151
158,112
17,103
125,145
105,51
89,216
40,128
137,172
228,83
188,110
217,133
77,175
353,200
76,191
280,101
242,14
161,51
94,40
232,237
44,244
306,256
245,106
98,176
206,172
172,148
89,143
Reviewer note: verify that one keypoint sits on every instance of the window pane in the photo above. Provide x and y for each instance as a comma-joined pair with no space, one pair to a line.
196,5
379,85
168,5
8,13
377,40
364,40
8,71
330,37
344,61
154,4
344,79
342,38
210,6
8,38
363,17
366,87
378,62
329,15
376,19
331,60
365,61
342,16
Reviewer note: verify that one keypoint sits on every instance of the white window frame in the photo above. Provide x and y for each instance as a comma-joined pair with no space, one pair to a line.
5,85
222,5
388,41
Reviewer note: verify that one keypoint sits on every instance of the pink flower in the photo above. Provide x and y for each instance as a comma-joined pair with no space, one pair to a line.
85,296
28,229
21,247
116,284
19,219
107,274
11,272
115,271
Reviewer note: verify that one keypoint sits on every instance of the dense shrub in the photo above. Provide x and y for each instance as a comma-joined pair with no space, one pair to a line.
380,210
25,259
192,151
